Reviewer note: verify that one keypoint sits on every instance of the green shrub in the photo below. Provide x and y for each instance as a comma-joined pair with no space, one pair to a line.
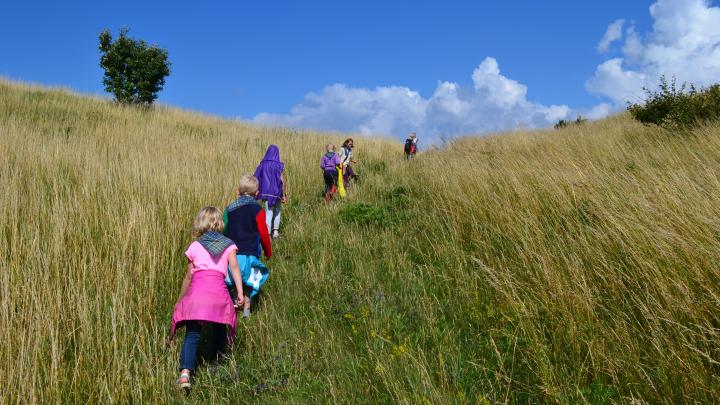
672,107
398,197
364,214
393,211
578,121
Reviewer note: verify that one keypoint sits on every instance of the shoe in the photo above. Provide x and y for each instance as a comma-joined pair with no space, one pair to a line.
275,234
184,382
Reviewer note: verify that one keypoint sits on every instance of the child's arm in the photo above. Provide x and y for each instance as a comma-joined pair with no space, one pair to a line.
237,278
264,236
186,281
283,196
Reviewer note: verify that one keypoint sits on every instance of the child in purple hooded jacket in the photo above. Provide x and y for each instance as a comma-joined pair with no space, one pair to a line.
272,188
329,163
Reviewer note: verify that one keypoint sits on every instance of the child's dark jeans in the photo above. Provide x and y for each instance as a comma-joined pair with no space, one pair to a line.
331,178
193,330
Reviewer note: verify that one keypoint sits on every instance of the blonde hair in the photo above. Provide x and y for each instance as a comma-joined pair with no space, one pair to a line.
248,185
208,219
330,147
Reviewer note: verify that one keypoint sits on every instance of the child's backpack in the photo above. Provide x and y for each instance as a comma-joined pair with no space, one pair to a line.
409,146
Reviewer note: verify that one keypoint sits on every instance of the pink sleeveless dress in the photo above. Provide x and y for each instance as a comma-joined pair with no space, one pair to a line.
207,298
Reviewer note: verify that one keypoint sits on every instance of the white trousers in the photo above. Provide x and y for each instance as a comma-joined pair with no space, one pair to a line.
272,217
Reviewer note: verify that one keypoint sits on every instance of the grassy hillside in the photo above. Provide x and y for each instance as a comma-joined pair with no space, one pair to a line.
565,266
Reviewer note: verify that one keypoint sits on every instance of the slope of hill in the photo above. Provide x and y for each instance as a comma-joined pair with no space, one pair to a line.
554,266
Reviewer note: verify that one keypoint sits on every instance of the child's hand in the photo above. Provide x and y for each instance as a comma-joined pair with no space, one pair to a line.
284,199
239,304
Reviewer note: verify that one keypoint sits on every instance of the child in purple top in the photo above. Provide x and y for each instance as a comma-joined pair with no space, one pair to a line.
272,188
329,163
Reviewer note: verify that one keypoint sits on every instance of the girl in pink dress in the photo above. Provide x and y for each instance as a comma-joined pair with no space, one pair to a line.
204,299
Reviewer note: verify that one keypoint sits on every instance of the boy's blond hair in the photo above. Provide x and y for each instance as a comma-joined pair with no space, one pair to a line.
208,219
248,185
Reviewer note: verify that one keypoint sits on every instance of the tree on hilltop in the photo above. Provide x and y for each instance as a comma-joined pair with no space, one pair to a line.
135,72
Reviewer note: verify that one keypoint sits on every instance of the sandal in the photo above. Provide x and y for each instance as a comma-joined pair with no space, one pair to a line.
184,381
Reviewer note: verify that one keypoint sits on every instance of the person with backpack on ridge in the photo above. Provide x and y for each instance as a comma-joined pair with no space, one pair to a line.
410,146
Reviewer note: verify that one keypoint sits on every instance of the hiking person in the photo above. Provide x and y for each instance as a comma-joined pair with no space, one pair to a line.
329,163
346,158
272,188
246,226
204,300
410,146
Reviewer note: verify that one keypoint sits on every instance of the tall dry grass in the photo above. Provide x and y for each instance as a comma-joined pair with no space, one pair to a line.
96,209
598,247
565,266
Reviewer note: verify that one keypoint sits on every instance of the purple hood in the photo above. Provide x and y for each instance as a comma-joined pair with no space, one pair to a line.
268,174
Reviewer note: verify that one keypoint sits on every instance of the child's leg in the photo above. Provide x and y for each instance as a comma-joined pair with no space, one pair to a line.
328,179
333,188
247,302
276,217
328,186
218,340
188,355
268,217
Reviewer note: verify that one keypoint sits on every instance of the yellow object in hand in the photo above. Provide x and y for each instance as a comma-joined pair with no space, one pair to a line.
341,182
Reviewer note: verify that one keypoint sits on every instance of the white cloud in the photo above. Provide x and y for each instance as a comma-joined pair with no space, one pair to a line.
338,107
601,110
684,42
614,32
493,103
633,48
619,85
496,88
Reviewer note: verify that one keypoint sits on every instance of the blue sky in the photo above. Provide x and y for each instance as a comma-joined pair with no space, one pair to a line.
367,66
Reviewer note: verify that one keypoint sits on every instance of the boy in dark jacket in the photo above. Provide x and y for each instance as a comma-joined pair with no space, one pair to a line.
245,225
